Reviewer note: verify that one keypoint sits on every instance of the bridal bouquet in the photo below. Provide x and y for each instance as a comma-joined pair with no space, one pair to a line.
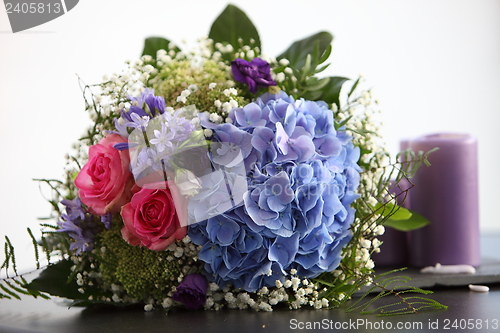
221,177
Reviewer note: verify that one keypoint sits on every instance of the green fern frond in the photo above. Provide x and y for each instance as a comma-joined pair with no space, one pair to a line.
35,246
45,247
16,285
407,302
51,226
9,255
9,292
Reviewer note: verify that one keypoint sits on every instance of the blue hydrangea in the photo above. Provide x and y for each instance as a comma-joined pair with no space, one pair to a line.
301,178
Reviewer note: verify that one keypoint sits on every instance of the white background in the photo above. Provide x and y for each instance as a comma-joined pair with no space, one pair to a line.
434,64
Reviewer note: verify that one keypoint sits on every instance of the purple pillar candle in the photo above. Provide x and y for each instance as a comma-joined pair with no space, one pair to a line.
447,194
394,251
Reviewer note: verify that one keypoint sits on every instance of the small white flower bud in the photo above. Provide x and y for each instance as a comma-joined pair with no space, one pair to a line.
207,132
284,62
280,77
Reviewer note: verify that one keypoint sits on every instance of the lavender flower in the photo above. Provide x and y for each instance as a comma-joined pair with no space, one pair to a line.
163,138
81,226
156,137
106,219
74,209
155,103
121,128
256,73
137,121
180,126
140,100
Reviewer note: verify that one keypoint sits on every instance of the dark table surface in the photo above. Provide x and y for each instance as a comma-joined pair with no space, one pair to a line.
472,311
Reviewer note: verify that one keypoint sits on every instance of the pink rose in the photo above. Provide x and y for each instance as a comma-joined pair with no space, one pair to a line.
155,217
105,182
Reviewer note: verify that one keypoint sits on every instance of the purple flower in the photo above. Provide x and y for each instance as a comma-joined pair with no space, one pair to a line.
155,103
107,219
256,73
140,100
192,291
121,129
137,121
74,208
78,224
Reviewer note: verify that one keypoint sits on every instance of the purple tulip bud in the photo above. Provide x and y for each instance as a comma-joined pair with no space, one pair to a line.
192,291
256,73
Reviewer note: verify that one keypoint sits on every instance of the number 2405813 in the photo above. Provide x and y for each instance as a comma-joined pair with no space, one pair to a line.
470,324
33,7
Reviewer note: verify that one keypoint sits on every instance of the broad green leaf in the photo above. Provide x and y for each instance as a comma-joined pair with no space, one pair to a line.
416,221
331,91
231,25
298,51
393,211
401,214
312,95
54,281
153,44
314,83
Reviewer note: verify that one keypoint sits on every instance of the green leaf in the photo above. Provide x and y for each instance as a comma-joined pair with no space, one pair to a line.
315,84
343,123
326,54
153,44
361,131
401,214
322,68
298,51
54,281
393,211
416,221
231,25
312,95
331,91
307,66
